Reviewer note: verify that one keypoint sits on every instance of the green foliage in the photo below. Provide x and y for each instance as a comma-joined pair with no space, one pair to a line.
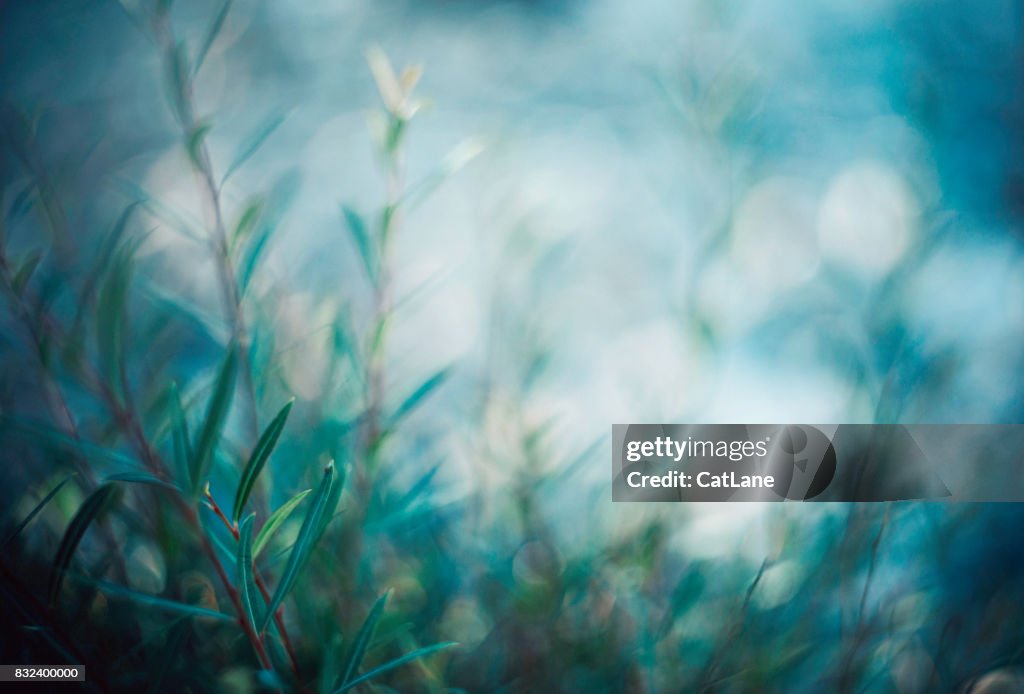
309,534
94,506
260,454
213,423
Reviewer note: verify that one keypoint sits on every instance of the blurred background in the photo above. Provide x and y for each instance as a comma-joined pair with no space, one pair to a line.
579,213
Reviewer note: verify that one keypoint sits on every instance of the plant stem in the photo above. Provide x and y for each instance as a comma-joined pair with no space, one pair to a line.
279,613
212,196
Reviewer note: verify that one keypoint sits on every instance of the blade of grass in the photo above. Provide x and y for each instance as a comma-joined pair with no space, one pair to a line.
216,414
260,454
304,544
99,501
397,662
277,518
35,511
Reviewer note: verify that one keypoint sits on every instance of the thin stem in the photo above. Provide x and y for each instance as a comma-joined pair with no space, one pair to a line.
212,196
279,613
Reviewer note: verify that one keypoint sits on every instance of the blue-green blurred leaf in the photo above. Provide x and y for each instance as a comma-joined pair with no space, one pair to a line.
252,144
216,414
211,36
95,505
35,512
397,662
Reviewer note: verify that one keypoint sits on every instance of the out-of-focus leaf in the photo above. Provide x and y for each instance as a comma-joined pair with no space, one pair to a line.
250,604
180,82
164,604
260,454
216,413
361,237
111,305
35,512
362,640
141,478
252,144
179,433
70,444
397,662
211,36
99,501
304,544
277,518
425,389
252,260
194,143
247,222
176,220
24,273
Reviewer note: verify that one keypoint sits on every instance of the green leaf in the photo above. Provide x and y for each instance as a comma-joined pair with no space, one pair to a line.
250,601
304,544
277,518
24,273
141,478
110,315
184,225
252,144
61,441
35,511
211,36
216,413
397,662
194,143
362,240
260,454
99,501
362,640
159,603
425,389
179,433
247,222
252,259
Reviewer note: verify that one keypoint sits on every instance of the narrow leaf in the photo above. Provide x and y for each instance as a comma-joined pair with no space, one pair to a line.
397,662
245,578
277,518
216,413
260,454
211,36
362,240
96,503
428,386
253,144
141,478
194,143
24,273
174,606
362,640
35,511
304,544
110,314
179,433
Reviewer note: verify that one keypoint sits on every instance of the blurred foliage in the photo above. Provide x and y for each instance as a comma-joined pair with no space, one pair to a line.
225,470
